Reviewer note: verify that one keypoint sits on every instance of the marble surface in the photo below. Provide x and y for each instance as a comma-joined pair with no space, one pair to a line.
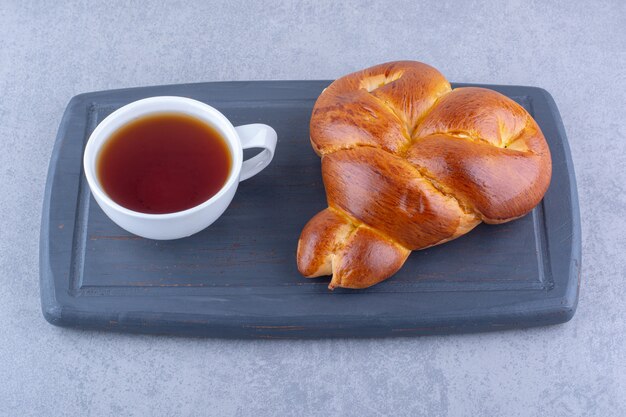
50,51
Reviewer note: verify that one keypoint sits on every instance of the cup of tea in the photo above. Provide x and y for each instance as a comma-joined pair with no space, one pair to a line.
167,167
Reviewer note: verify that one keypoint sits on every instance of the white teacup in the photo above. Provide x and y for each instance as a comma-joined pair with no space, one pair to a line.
187,222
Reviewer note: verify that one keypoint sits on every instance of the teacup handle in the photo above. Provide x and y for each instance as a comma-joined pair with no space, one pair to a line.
256,135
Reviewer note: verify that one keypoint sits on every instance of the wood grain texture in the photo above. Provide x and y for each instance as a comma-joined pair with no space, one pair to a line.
238,278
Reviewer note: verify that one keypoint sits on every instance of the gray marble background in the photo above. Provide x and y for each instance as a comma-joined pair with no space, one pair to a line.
50,51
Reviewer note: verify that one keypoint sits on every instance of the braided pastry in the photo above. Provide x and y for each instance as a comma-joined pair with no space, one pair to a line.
409,163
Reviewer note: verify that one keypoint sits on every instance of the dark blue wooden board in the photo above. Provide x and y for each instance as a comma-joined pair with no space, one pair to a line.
238,278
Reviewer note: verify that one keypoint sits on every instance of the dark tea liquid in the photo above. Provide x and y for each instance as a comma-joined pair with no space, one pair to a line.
163,163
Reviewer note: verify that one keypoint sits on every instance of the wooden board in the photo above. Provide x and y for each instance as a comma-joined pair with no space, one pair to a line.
238,278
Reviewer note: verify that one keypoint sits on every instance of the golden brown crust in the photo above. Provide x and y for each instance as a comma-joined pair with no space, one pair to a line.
409,163
377,107
387,193
478,113
318,241
367,258
499,184
355,119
